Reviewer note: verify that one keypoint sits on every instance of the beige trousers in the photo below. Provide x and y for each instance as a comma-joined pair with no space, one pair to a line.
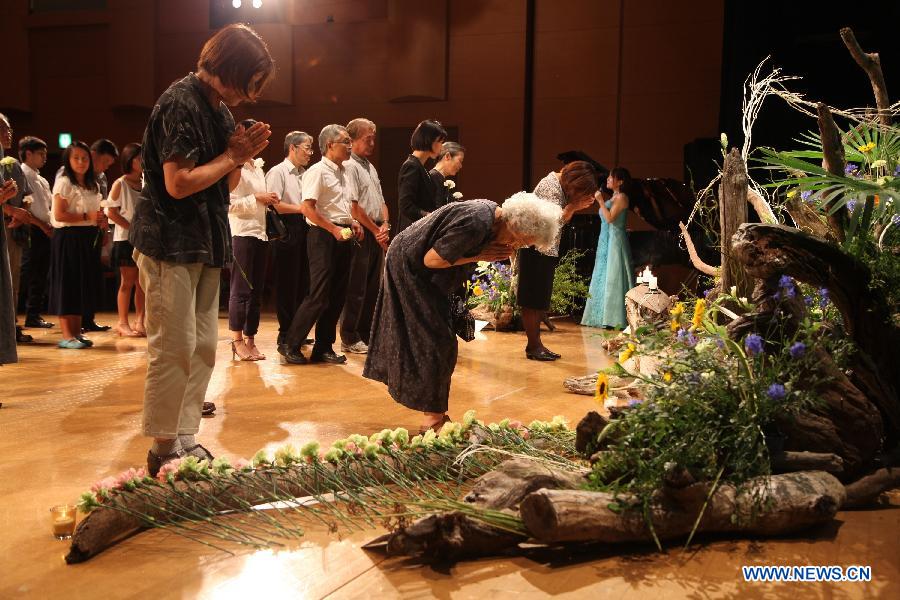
182,321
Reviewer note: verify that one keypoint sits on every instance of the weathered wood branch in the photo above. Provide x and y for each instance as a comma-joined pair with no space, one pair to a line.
864,491
732,214
790,462
798,501
807,218
695,258
761,207
871,64
834,162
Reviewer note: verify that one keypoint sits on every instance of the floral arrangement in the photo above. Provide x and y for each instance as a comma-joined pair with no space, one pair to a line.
492,287
713,405
381,479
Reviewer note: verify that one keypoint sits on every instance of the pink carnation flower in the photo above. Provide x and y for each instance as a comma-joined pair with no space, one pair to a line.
241,464
169,467
352,447
107,483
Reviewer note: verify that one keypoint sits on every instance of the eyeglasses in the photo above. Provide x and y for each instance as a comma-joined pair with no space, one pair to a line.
307,149
344,142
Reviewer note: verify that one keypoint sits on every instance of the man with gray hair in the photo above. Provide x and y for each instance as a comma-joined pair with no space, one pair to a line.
289,254
328,191
367,262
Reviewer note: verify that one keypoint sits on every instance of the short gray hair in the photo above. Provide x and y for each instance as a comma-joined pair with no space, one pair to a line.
330,133
295,138
358,126
529,216
451,148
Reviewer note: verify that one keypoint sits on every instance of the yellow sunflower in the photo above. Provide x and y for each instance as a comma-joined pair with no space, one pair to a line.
699,310
477,290
627,352
867,147
602,391
667,376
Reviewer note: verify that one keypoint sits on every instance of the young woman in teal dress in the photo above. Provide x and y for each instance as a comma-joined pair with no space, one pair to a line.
612,276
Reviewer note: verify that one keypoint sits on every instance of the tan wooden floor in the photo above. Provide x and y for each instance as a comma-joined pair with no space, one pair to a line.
72,417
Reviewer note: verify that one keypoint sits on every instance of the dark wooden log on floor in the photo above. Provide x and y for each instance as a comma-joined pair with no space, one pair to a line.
866,490
790,462
453,535
796,501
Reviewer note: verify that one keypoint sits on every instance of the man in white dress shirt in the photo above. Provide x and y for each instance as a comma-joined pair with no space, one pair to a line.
328,190
289,255
368,257
36,260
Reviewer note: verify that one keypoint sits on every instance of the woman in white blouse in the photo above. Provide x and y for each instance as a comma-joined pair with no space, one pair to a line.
247,219
79,223
123,197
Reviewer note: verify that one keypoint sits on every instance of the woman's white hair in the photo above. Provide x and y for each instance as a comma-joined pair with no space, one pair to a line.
530,217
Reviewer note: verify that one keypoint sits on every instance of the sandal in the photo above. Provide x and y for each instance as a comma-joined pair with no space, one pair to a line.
436,427
255,354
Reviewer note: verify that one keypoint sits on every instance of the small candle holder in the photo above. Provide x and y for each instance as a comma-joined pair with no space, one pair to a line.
62,521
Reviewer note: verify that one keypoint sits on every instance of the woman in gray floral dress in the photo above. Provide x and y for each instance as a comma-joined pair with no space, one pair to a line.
412,345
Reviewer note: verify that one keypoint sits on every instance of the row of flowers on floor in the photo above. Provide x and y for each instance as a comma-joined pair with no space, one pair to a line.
354,447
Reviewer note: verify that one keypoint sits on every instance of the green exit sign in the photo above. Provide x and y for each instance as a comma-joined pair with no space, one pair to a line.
65,140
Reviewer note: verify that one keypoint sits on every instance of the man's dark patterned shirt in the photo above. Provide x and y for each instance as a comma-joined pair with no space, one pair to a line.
195,228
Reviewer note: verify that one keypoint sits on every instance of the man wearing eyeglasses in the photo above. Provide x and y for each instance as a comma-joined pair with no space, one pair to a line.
328,192
289,254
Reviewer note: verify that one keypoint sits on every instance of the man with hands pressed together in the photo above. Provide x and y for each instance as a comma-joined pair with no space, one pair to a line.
180,229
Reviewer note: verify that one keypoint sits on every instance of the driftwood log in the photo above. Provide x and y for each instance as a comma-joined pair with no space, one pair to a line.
833,161
797,501
871,64
732,213
769,251
790,462
865,490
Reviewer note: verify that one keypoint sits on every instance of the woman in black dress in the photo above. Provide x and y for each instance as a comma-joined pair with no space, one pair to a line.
417,194
572,189
412,346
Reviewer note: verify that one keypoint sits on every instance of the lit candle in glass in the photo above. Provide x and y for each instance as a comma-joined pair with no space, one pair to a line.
652,283
62,521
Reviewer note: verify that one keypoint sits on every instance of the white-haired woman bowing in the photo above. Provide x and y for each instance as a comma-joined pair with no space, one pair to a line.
412,346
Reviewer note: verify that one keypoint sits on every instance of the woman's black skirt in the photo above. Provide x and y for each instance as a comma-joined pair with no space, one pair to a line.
75,275
535,279
121,254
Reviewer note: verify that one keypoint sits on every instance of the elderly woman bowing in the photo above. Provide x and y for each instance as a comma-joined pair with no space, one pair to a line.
413,345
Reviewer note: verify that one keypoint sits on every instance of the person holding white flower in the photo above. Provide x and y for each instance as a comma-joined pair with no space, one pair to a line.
8,189
449,163
36,261
123,198
328,192
78,220
16,217
247,219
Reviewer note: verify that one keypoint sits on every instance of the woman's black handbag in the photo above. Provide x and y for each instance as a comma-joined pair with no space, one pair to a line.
461,319
275,229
